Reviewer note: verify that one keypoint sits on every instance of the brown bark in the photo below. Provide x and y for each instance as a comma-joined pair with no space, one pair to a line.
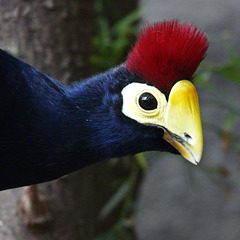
54,37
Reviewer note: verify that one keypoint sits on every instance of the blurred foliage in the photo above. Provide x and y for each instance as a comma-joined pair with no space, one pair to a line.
231,69
112,39
124,198
114,34
228,71
126,186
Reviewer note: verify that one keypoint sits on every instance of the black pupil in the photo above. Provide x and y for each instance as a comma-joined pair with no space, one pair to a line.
147,101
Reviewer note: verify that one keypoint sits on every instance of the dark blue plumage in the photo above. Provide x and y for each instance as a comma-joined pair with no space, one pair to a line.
49,129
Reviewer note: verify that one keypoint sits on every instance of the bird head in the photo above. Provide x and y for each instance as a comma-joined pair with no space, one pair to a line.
165,58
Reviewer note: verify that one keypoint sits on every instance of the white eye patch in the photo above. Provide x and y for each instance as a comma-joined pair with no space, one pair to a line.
144,103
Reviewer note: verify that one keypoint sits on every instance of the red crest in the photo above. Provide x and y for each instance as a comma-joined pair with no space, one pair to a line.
167,52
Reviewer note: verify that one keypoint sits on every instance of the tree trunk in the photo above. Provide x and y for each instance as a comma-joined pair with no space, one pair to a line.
53,36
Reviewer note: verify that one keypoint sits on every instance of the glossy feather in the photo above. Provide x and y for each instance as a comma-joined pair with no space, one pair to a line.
49,129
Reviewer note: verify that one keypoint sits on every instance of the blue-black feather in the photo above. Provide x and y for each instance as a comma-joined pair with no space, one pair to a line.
49,129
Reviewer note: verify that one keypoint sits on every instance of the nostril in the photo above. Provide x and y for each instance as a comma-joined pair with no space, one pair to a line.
187,136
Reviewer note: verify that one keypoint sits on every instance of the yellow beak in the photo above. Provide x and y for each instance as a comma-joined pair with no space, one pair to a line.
183,121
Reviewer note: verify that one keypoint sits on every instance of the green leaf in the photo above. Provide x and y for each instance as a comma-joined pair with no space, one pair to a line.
110,44
123,26
203,79
228,123
116,199
141,160
231,69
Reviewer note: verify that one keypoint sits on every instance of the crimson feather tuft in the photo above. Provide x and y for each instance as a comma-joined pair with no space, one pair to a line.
167,52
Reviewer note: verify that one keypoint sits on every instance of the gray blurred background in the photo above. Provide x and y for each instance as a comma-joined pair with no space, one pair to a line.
178,200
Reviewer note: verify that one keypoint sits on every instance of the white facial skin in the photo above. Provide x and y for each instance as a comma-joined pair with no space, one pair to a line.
131,107
179,117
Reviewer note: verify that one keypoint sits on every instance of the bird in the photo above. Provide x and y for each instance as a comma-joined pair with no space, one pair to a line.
148,103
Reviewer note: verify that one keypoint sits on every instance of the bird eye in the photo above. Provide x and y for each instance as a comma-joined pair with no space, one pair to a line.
147,101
